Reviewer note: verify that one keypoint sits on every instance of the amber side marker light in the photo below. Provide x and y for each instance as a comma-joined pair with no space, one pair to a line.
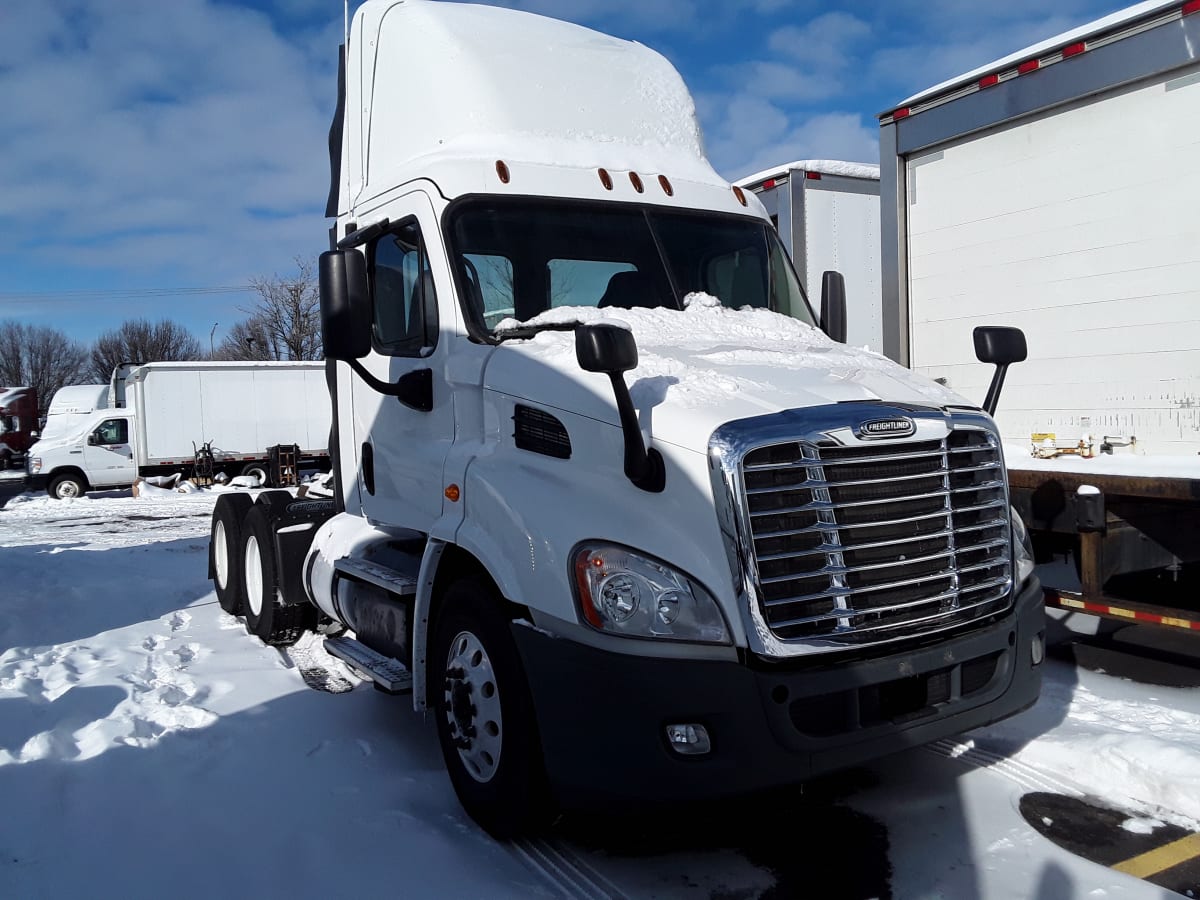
502,171
740,194
453,493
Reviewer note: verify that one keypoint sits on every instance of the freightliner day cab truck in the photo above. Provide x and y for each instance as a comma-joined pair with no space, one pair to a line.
1046,190
163,412
608,502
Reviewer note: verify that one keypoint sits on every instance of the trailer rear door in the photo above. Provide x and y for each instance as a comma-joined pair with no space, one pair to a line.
1079,225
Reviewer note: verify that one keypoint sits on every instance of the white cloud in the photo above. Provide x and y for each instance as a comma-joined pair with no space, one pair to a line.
184,138
833,135
780,81
828,41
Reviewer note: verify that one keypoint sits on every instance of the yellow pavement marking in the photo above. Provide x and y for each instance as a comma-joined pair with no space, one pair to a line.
1161,858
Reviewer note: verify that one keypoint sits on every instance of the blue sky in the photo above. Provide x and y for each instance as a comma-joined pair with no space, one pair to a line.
157,155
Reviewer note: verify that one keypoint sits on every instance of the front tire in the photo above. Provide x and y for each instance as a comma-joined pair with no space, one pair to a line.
225,550
66,487
266,617
486,722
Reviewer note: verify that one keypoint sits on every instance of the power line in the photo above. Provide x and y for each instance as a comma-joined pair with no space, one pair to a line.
67,296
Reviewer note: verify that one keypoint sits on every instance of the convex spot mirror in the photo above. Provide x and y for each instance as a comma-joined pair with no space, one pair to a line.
345,305
1000,345
605,348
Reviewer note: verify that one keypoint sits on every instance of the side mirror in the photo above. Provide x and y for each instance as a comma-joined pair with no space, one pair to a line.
612,350
1001,346
345,306
93,441
605,348
833,306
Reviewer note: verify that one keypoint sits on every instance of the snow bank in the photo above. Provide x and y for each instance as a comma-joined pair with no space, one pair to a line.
1137,747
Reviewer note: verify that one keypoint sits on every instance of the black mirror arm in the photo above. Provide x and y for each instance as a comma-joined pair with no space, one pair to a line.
643,467
413,389
992,400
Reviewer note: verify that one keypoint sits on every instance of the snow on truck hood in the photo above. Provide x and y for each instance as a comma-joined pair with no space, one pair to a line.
702,367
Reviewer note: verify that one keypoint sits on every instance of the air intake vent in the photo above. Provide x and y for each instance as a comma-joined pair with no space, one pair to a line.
539,432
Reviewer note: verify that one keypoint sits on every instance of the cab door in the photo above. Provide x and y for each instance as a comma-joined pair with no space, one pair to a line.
402,443
108,455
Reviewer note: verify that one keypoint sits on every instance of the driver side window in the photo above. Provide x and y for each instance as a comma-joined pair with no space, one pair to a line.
112,431
404,302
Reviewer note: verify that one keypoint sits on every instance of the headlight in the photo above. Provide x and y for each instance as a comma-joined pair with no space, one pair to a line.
621,592
35,465
1022,548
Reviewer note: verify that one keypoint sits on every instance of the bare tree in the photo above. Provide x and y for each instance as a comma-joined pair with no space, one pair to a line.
288,313
39,357
247,340
142,341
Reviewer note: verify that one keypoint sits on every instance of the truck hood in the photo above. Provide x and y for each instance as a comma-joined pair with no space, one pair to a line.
702,367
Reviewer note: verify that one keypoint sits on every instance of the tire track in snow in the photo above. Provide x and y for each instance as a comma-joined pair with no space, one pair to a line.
1026,776
565,869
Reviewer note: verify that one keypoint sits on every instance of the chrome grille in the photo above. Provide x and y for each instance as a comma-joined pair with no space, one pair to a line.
881,540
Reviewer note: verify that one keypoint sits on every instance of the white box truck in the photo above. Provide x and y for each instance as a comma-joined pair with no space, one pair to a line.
827,215
628,532
1052,189
171,410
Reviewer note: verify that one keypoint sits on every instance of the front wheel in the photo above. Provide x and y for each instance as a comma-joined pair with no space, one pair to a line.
66,487
266,616
485,716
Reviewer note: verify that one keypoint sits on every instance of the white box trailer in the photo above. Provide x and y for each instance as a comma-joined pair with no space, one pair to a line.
827,215
241,409
1053,190
172,409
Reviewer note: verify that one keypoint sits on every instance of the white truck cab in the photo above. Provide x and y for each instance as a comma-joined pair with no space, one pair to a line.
609,501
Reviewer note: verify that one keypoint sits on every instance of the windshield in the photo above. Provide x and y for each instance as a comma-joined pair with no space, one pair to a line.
519,258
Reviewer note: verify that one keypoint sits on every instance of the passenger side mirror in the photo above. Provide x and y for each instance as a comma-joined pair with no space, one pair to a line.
1001,346
605,348
612,350
92,440
345,306
833,306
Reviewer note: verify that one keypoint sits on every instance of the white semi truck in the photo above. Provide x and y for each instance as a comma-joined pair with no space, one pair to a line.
1044,189
827,215
173,409
608,501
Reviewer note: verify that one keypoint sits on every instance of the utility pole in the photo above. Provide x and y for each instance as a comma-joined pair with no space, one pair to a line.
213,331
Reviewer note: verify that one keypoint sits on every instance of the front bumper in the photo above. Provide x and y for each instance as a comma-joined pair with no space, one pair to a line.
602,715
36,482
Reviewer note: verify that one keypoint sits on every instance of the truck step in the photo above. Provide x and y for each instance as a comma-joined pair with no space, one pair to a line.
391,580
389,674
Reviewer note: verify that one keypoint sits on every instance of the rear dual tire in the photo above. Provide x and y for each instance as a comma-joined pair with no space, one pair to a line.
267,618
225,550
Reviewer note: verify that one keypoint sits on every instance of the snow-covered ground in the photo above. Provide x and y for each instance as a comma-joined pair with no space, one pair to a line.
149,747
